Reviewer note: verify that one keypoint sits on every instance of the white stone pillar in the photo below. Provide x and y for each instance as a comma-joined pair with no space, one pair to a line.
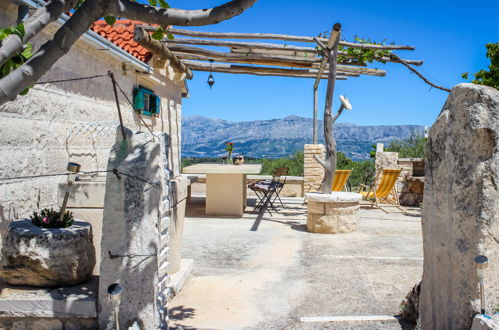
134,245
461,208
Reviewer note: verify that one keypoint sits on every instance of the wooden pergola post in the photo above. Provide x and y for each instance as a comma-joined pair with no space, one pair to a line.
330,162
315,123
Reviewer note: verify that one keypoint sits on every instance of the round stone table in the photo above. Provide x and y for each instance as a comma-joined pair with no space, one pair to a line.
38,256
333,213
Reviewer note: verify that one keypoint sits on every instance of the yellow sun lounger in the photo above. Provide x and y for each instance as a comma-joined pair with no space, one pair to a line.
340,179
381,190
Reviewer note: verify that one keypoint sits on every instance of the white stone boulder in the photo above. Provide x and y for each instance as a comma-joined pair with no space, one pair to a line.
38,256
461,208
333,213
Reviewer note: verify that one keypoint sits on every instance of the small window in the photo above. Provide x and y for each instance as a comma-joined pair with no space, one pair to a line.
146,102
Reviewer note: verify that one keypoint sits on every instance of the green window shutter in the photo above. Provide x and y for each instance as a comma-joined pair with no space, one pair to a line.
158,105
138,100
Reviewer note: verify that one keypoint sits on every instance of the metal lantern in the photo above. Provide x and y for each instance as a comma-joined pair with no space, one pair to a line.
211,80
72,168
481,263
115,290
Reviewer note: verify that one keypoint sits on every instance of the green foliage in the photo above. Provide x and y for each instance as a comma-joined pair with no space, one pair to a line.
491,77
293,162
362,171
110,20
413,147
49,218
18,59
360,56
159,33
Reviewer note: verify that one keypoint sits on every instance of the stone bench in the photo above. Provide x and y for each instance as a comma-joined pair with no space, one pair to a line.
72,307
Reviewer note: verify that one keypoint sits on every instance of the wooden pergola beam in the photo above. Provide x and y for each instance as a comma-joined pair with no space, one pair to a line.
272,36
202,54
142,37
289,52
260,71
341,69
224,43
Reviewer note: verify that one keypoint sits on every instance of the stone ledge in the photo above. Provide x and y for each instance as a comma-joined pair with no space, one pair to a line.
334,197
79,301
481,322
178,279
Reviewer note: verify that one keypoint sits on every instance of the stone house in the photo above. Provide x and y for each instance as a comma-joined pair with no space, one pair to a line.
76,120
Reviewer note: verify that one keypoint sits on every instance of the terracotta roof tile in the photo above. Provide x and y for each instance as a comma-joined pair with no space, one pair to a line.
121,34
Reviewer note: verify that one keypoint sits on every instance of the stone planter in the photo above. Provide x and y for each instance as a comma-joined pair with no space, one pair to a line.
47,256
333,213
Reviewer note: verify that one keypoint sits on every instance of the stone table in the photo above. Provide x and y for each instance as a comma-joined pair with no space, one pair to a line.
333,213
225,186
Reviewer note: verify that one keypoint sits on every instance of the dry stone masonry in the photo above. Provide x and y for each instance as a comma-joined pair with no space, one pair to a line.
461,208
313,172
135,232
333,213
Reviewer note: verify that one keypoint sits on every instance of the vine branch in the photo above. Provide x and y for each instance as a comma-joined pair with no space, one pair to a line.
419,74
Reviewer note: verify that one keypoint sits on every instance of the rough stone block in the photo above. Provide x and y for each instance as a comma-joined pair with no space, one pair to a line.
130,244
483,323
461,208
38,256
315,207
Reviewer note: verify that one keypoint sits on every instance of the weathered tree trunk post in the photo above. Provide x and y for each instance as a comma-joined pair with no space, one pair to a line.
330,163
315,123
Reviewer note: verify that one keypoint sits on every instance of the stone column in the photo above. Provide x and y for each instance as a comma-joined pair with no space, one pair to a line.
461,208
313,172
134,243
383,160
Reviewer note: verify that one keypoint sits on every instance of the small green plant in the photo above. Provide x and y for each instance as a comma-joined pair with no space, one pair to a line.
491,77
360,56
17,60
49,218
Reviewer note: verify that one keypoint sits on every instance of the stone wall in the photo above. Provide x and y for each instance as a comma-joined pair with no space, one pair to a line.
72,121
313,172
134,245
410,183
461,208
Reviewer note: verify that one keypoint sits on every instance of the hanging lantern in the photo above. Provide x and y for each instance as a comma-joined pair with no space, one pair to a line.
211,80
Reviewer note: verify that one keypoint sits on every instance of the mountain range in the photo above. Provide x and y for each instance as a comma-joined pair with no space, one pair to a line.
206,137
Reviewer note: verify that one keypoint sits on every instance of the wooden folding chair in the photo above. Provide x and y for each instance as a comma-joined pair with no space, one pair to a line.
381,190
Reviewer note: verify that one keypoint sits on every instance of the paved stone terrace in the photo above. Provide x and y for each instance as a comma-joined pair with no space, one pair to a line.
268,273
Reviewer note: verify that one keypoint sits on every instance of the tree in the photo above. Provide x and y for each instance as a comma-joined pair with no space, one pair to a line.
18,76
491,77
413,147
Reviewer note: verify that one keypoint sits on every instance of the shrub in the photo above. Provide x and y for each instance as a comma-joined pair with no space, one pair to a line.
413,147
49,218
491,77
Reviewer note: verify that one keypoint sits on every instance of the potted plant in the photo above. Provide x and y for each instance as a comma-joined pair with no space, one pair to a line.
49,249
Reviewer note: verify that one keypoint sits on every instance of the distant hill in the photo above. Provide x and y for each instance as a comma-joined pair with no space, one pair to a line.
206,137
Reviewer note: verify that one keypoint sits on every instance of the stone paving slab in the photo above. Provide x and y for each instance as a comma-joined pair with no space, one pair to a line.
267,273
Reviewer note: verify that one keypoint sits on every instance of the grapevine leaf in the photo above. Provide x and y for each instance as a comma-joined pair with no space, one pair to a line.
110,20
158,34
163,4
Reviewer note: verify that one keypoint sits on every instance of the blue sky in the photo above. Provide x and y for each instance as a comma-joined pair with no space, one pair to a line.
448,35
